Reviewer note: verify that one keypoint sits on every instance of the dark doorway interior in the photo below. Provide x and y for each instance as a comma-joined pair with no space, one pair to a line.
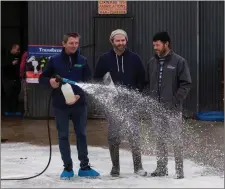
14,29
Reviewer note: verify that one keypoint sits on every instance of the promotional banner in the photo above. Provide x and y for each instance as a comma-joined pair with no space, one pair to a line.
38,57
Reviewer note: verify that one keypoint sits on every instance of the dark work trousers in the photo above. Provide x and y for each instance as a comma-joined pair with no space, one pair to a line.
124,125
169,129
79,119
12,90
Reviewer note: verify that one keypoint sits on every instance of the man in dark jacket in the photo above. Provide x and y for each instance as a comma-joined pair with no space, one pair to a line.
169,82
71,65
11,78
125,68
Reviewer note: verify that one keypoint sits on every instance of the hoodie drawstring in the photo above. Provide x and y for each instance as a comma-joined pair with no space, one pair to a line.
118,67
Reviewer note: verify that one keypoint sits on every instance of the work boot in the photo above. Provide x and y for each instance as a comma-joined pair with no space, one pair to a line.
114,153
138,169
179,168
161,170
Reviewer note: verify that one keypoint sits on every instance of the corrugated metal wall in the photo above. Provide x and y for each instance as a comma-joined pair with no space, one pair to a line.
211,53
49,20
179,19
37,100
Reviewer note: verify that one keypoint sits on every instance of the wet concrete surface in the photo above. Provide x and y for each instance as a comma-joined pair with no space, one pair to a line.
206,145
203,141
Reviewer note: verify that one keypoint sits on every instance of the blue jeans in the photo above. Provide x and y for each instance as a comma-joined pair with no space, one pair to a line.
79,119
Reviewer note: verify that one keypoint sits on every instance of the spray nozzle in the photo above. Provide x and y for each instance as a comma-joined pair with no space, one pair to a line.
58,79
64,80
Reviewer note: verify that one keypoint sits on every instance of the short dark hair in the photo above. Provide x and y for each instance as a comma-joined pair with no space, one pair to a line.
67,35
162,36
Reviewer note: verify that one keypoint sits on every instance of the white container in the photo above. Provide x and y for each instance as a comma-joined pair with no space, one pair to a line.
68,93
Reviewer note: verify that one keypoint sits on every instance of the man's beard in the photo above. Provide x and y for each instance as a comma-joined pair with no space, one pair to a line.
162,52
120,48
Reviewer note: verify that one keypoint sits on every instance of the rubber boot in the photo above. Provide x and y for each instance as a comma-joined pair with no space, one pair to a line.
114,153
179,168
138,168
161,169
179,163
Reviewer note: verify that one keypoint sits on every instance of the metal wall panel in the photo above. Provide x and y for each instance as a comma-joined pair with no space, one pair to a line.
211,53
37,101
49,20
179,19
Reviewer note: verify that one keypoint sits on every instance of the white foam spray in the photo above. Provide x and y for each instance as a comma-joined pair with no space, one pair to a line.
129,107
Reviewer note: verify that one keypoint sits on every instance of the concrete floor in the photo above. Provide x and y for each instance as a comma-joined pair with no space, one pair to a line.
204,141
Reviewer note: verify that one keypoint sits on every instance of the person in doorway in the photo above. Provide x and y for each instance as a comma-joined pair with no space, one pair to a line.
71,65
169,81
126,69
11,79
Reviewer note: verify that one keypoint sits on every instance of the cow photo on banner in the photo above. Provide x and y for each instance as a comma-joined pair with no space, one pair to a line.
38,57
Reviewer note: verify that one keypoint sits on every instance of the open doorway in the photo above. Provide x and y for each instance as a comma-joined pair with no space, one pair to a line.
14,30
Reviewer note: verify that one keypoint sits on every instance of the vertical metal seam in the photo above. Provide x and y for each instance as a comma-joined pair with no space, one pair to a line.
93,63
198,57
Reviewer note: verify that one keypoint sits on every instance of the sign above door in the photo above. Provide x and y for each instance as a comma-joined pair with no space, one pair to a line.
112,7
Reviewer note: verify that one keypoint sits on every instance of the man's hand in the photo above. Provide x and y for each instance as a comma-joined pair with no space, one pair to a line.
53,83
15,62
76,98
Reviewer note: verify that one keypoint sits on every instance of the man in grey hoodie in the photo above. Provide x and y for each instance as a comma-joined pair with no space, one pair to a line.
169,81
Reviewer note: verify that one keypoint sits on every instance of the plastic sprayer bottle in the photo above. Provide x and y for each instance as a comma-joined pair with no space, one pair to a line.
68,93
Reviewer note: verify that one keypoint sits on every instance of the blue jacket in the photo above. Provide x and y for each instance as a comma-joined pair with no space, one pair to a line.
76,70
126,69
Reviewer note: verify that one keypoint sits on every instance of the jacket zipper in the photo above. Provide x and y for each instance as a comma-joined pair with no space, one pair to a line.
70,66
159,87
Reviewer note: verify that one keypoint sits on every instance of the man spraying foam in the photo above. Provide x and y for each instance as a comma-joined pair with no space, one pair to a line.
70,64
